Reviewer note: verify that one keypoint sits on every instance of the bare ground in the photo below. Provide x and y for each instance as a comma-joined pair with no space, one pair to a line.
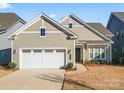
100,77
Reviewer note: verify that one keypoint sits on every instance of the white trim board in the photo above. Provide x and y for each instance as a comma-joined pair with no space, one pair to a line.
39,32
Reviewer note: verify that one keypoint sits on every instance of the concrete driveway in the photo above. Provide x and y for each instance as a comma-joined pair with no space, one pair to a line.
33,80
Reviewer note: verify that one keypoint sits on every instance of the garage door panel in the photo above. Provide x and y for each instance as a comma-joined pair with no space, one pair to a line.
32,60
53,60
43,58
59,60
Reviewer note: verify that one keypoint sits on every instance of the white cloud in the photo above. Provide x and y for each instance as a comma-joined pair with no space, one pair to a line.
5,6
52,15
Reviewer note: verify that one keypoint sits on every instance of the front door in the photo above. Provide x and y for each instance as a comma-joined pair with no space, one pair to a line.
78,55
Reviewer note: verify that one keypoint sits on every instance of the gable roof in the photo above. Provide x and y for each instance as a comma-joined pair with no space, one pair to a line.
85,24
7,20
38,17
119,15
99,27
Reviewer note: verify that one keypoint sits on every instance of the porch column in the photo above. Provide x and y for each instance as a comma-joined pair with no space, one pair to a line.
11,40
11,50
74,55
85,51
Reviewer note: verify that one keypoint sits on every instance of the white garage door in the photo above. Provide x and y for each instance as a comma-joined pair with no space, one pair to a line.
42,58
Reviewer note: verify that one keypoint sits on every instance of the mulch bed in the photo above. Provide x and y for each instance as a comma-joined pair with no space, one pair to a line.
96,65
5,71
4,68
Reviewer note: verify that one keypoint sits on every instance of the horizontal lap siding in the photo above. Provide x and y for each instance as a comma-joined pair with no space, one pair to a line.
57,40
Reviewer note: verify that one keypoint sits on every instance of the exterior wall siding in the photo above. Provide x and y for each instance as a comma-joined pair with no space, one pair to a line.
5,44
82,32
116,25
51,40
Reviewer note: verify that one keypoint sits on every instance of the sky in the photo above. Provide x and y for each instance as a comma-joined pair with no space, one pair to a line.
87,12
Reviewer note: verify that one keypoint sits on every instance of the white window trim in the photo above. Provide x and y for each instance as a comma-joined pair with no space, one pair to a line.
90,52
70,23
40,31
94,53
101,52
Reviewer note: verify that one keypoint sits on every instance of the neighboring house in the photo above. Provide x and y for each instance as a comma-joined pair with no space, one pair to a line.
93,42
9,22
46,43
116,26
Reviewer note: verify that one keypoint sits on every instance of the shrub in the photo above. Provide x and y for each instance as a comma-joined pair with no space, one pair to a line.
103,62
109,63
12,65
89,62
115,60
97,62
70,66
121,60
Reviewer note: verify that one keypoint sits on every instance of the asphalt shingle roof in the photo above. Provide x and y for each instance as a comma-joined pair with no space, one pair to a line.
99,27
120,15
7,20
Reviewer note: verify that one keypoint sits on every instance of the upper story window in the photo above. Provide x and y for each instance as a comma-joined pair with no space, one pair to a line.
70,25
42,31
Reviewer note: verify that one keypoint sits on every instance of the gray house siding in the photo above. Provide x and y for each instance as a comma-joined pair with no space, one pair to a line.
116,25
5,56
5,43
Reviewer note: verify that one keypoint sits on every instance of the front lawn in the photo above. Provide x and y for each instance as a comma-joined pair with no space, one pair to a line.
99,77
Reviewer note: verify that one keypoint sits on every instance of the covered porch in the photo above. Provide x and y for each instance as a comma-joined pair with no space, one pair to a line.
87,51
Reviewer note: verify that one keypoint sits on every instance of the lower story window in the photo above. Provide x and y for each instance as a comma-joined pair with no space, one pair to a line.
91,52
97,52
103,52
